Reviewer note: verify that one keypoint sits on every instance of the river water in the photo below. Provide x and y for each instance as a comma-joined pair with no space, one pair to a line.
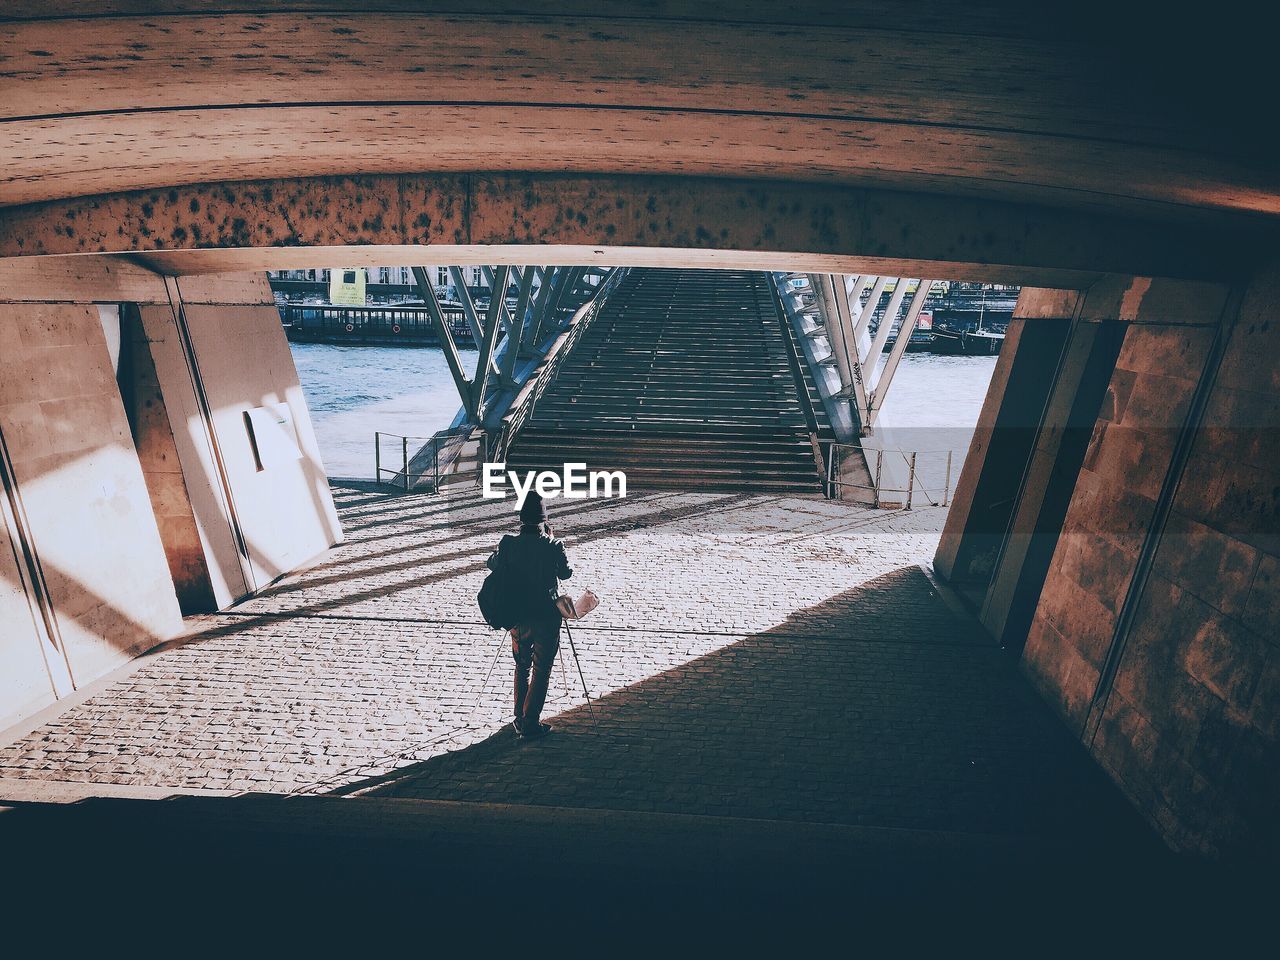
355,391
933,403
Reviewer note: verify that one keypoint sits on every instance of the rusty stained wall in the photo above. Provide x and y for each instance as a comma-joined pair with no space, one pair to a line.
1188,727
885,232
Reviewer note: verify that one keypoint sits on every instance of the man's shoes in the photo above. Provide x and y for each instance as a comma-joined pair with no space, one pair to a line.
517,726
536,732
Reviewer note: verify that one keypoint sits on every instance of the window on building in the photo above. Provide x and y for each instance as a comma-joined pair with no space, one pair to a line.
442,276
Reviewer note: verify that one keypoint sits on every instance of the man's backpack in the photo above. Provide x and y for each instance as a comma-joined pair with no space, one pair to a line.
497,599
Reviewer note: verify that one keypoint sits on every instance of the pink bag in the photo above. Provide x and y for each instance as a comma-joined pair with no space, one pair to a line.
572,609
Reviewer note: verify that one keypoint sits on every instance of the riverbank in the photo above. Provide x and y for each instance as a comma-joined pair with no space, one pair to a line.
354,392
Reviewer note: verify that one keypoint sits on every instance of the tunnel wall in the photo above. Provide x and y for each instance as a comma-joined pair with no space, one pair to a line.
162,468
962,513
1190,724
83,499
278,508
1072,403
94,535
26,678
1154,634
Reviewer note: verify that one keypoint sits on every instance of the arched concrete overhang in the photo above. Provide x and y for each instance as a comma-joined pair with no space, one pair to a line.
988,139
617,220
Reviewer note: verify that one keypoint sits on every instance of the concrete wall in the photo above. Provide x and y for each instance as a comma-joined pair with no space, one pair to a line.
26,683
1077,388
1006,432
219,357
158,457
95,530
1190,727
83,498
1155,632
958,517
284,506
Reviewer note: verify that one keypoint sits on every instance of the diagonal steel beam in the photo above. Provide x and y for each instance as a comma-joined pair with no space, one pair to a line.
504,315
447,345
514,276
491,327
559,278
864,317
515,336
833,294
572,276
899,348
547,281
468,308
885,328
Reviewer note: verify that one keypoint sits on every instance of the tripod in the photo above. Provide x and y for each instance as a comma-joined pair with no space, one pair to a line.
577,663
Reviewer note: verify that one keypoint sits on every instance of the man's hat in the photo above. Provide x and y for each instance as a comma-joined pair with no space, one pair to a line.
533,510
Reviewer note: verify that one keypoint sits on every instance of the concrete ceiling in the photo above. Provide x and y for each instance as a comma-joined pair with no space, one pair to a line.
983,101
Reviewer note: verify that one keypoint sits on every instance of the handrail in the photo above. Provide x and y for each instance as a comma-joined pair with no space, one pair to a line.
522,406
797,376
910,459
442,452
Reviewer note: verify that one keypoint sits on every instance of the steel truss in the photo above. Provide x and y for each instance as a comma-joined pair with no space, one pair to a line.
833,319
546,297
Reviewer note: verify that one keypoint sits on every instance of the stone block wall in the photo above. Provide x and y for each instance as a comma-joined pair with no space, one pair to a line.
1191,726
1157,631
1111,511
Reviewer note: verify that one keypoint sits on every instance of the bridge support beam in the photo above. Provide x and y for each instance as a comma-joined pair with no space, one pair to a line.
448,346
515,336
621,221
1152,623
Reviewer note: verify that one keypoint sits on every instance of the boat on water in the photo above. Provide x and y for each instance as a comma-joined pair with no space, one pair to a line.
971,319
971,343
393,325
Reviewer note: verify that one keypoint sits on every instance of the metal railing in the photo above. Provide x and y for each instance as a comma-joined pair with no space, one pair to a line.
795,363
427,464
875,460
522,406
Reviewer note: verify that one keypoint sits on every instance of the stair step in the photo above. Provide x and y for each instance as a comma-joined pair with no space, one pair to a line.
683,380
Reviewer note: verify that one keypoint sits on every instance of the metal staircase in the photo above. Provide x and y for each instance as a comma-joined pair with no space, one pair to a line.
686,379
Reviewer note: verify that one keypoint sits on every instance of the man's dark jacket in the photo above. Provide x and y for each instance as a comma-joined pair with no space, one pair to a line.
532,561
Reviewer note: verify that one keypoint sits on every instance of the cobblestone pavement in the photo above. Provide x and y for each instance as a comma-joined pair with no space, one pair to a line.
877,707
375,659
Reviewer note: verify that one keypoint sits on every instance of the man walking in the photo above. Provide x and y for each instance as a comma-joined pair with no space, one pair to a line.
533,562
